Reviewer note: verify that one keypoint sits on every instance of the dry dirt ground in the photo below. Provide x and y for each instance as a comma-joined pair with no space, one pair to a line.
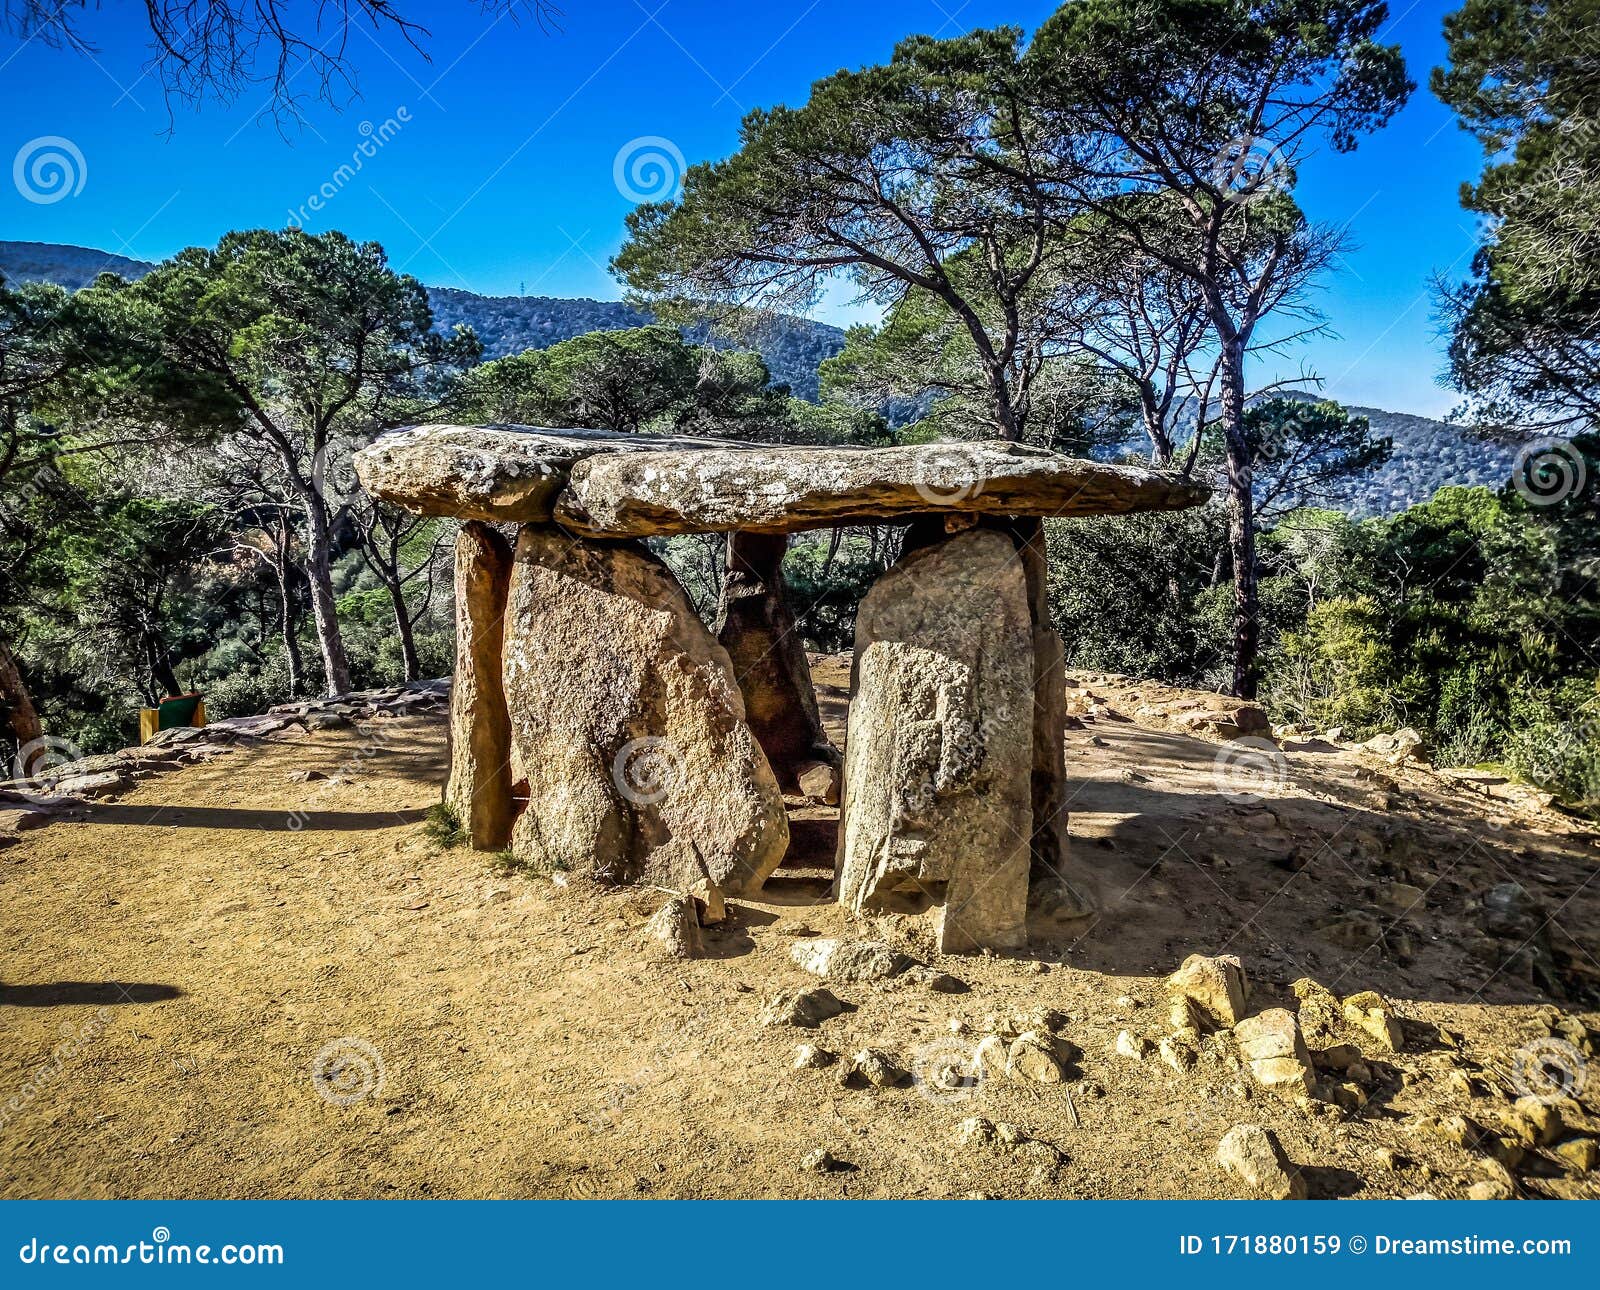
172,965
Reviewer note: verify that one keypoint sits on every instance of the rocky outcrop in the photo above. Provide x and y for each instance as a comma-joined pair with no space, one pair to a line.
756,627
479,787
628,725
937,805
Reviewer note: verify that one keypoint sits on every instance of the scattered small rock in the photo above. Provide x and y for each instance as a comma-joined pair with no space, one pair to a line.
877,1068
821,1161
1035,1056
805,1008
1133,1046
675,928
856,961
1252,1154
1215,986
1277,1055
810,1057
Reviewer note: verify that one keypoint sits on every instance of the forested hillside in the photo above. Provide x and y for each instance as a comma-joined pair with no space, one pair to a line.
1428,454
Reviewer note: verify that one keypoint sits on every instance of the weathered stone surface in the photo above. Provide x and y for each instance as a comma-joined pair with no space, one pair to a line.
627,725
756,627
875,1067
783,489
805,1008
490,472
675,929
836,960
1370,1012
1215,987
1035,1055
1271,1043
938,767
479,787
1252,1154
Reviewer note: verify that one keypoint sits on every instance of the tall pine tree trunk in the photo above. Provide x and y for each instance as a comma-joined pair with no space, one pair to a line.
1241,523
319,572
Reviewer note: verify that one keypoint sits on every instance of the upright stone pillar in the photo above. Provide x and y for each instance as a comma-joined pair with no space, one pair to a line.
1050,888
938,780
628,725
479,787
757,628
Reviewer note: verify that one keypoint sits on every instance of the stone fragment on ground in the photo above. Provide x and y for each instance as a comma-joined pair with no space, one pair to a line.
810,1057
1373,1015
1254,1156
1035,1056
833,959
874,1067
675,929
1215,986
1271,1044
805,1008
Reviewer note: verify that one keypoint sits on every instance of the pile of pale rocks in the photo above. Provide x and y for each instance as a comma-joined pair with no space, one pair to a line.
64,789
598,727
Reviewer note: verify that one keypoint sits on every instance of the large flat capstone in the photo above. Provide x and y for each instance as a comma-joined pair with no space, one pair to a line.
605,484
489,472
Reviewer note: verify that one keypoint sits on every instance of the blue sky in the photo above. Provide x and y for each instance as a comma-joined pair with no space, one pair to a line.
498,170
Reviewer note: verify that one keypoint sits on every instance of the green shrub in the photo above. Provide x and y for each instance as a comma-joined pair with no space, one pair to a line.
443,825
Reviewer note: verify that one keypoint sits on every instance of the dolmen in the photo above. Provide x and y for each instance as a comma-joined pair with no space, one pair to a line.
599,727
